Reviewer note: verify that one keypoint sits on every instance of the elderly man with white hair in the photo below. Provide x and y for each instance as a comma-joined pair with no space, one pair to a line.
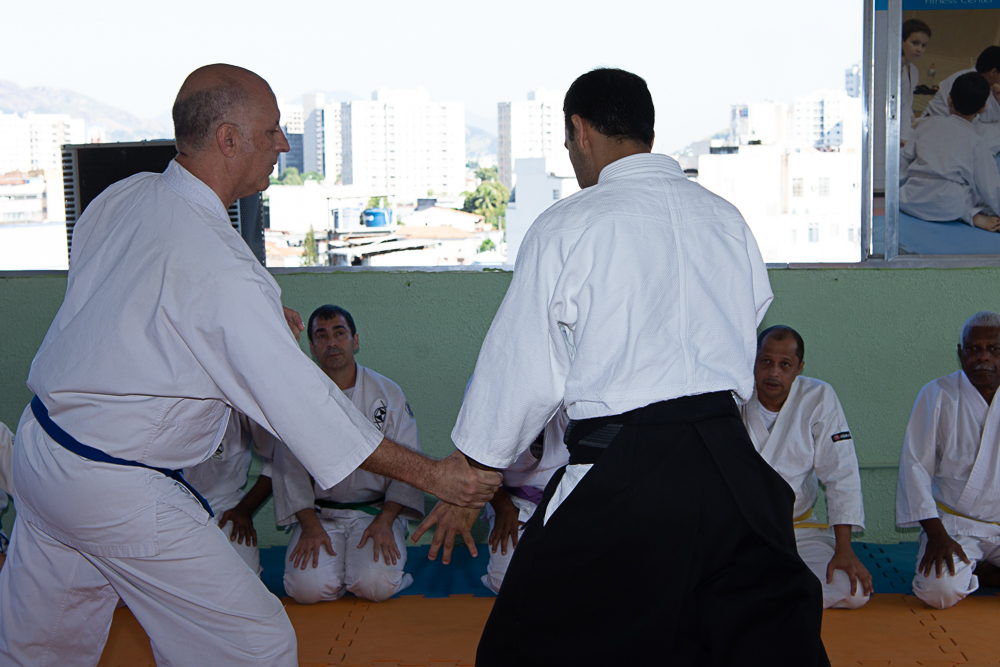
948,481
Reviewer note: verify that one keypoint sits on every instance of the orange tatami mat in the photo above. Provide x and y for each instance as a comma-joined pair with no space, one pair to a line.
891,631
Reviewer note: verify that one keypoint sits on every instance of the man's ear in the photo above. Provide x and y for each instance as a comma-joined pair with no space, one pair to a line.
581,132
228,139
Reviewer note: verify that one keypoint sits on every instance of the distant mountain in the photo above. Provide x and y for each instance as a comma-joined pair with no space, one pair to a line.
479,143
118,125
486,123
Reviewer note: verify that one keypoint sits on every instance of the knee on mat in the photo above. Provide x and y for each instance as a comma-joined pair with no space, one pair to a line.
378,585
838,594
275,638
305,587
856,601
943,592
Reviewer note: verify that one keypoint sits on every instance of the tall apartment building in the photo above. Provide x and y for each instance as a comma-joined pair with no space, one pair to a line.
33,143
321,136
852,80
532,128
48,133
763,122
826,119
15,143
292,124
402,144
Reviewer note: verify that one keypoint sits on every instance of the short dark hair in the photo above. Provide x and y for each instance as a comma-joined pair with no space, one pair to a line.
617,103
198,116
328,312
969,93
911,26
988,60
782,332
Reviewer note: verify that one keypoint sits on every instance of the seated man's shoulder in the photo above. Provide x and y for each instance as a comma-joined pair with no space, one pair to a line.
815,388
392,391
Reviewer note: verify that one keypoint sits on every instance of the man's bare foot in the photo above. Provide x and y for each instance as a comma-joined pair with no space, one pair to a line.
988,574
990,223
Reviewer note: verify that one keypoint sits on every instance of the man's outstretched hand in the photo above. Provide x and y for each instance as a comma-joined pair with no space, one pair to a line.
451,521
294,321
458,483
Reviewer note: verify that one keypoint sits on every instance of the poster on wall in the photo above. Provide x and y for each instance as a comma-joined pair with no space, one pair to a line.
946,120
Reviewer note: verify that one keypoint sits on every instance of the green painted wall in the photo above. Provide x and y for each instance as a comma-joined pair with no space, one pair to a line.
876,335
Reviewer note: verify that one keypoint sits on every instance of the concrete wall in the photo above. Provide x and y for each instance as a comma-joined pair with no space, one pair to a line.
876,335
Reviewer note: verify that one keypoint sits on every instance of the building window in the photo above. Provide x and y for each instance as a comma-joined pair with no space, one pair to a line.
813,232
555,195
796,187
824,186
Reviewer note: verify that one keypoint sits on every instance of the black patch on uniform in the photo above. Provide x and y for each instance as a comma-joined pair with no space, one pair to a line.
843,435
408,410
378,417
537,448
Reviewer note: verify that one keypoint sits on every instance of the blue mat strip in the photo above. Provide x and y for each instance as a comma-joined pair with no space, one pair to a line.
892,567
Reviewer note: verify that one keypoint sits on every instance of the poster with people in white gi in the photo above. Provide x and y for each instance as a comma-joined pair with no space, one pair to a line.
949,128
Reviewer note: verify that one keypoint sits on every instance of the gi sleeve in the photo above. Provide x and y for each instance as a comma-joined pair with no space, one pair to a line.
263,444
914,498
907,154
6,453
401,427
292,486
237,332
836,465
987,179
521,371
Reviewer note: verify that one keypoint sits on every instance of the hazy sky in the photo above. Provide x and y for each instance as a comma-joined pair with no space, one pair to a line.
698,56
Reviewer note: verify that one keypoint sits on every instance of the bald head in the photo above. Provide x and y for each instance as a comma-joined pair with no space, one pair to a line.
211,96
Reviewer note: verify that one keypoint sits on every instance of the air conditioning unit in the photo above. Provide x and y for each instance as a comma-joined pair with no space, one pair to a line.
90,168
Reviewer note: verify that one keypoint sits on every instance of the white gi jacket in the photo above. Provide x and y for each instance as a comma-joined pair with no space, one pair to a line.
643,288
535,472
222,477
168,320
947,172
950,459
811,439
938,106
382,401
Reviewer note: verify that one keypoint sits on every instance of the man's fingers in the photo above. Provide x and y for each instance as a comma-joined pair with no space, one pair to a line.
471,543
854,582
960,552
449,544
829,572
435,544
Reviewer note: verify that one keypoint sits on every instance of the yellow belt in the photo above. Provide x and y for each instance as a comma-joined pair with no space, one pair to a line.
948,510
800,522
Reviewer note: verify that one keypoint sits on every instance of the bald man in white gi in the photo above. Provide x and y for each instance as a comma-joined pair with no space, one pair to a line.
220,480
168,325
799,427
949,472
351,537
634,304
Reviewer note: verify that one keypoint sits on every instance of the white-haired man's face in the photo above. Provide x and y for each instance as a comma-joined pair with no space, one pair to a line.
979,355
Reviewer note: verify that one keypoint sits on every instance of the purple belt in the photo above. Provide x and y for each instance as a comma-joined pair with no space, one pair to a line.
530,493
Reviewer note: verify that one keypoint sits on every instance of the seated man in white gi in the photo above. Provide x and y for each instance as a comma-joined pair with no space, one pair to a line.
947,172
222,477
988,67
948,472
516,501
353,536
798,426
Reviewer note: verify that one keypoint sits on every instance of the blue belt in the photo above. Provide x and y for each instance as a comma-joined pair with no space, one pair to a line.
80,449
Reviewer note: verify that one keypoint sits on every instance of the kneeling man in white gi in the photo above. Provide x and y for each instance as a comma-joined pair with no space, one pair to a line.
351,537
798,426
516,501
948,472
222,477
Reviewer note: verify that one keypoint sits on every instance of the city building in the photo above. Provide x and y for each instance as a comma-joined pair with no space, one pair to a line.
537,189
293,125
15,143
48,133
826,119
402,144
532,128
22,197
852,80
321,137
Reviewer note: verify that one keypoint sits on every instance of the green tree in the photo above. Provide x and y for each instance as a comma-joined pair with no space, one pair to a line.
490,201
488,174
487,244
291,177
309,254
378,202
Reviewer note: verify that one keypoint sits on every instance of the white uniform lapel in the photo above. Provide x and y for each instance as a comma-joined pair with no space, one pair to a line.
782,423
755,425
986,457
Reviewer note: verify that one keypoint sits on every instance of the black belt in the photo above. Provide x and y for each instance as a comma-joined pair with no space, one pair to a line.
587,439
366,507
80,449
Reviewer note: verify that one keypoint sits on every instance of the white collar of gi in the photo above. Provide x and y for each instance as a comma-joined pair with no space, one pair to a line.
641,163
193,189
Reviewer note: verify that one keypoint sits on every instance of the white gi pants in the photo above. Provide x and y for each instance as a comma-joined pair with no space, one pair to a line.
197,600
497,567
947,590
248,552
351,569
816,548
